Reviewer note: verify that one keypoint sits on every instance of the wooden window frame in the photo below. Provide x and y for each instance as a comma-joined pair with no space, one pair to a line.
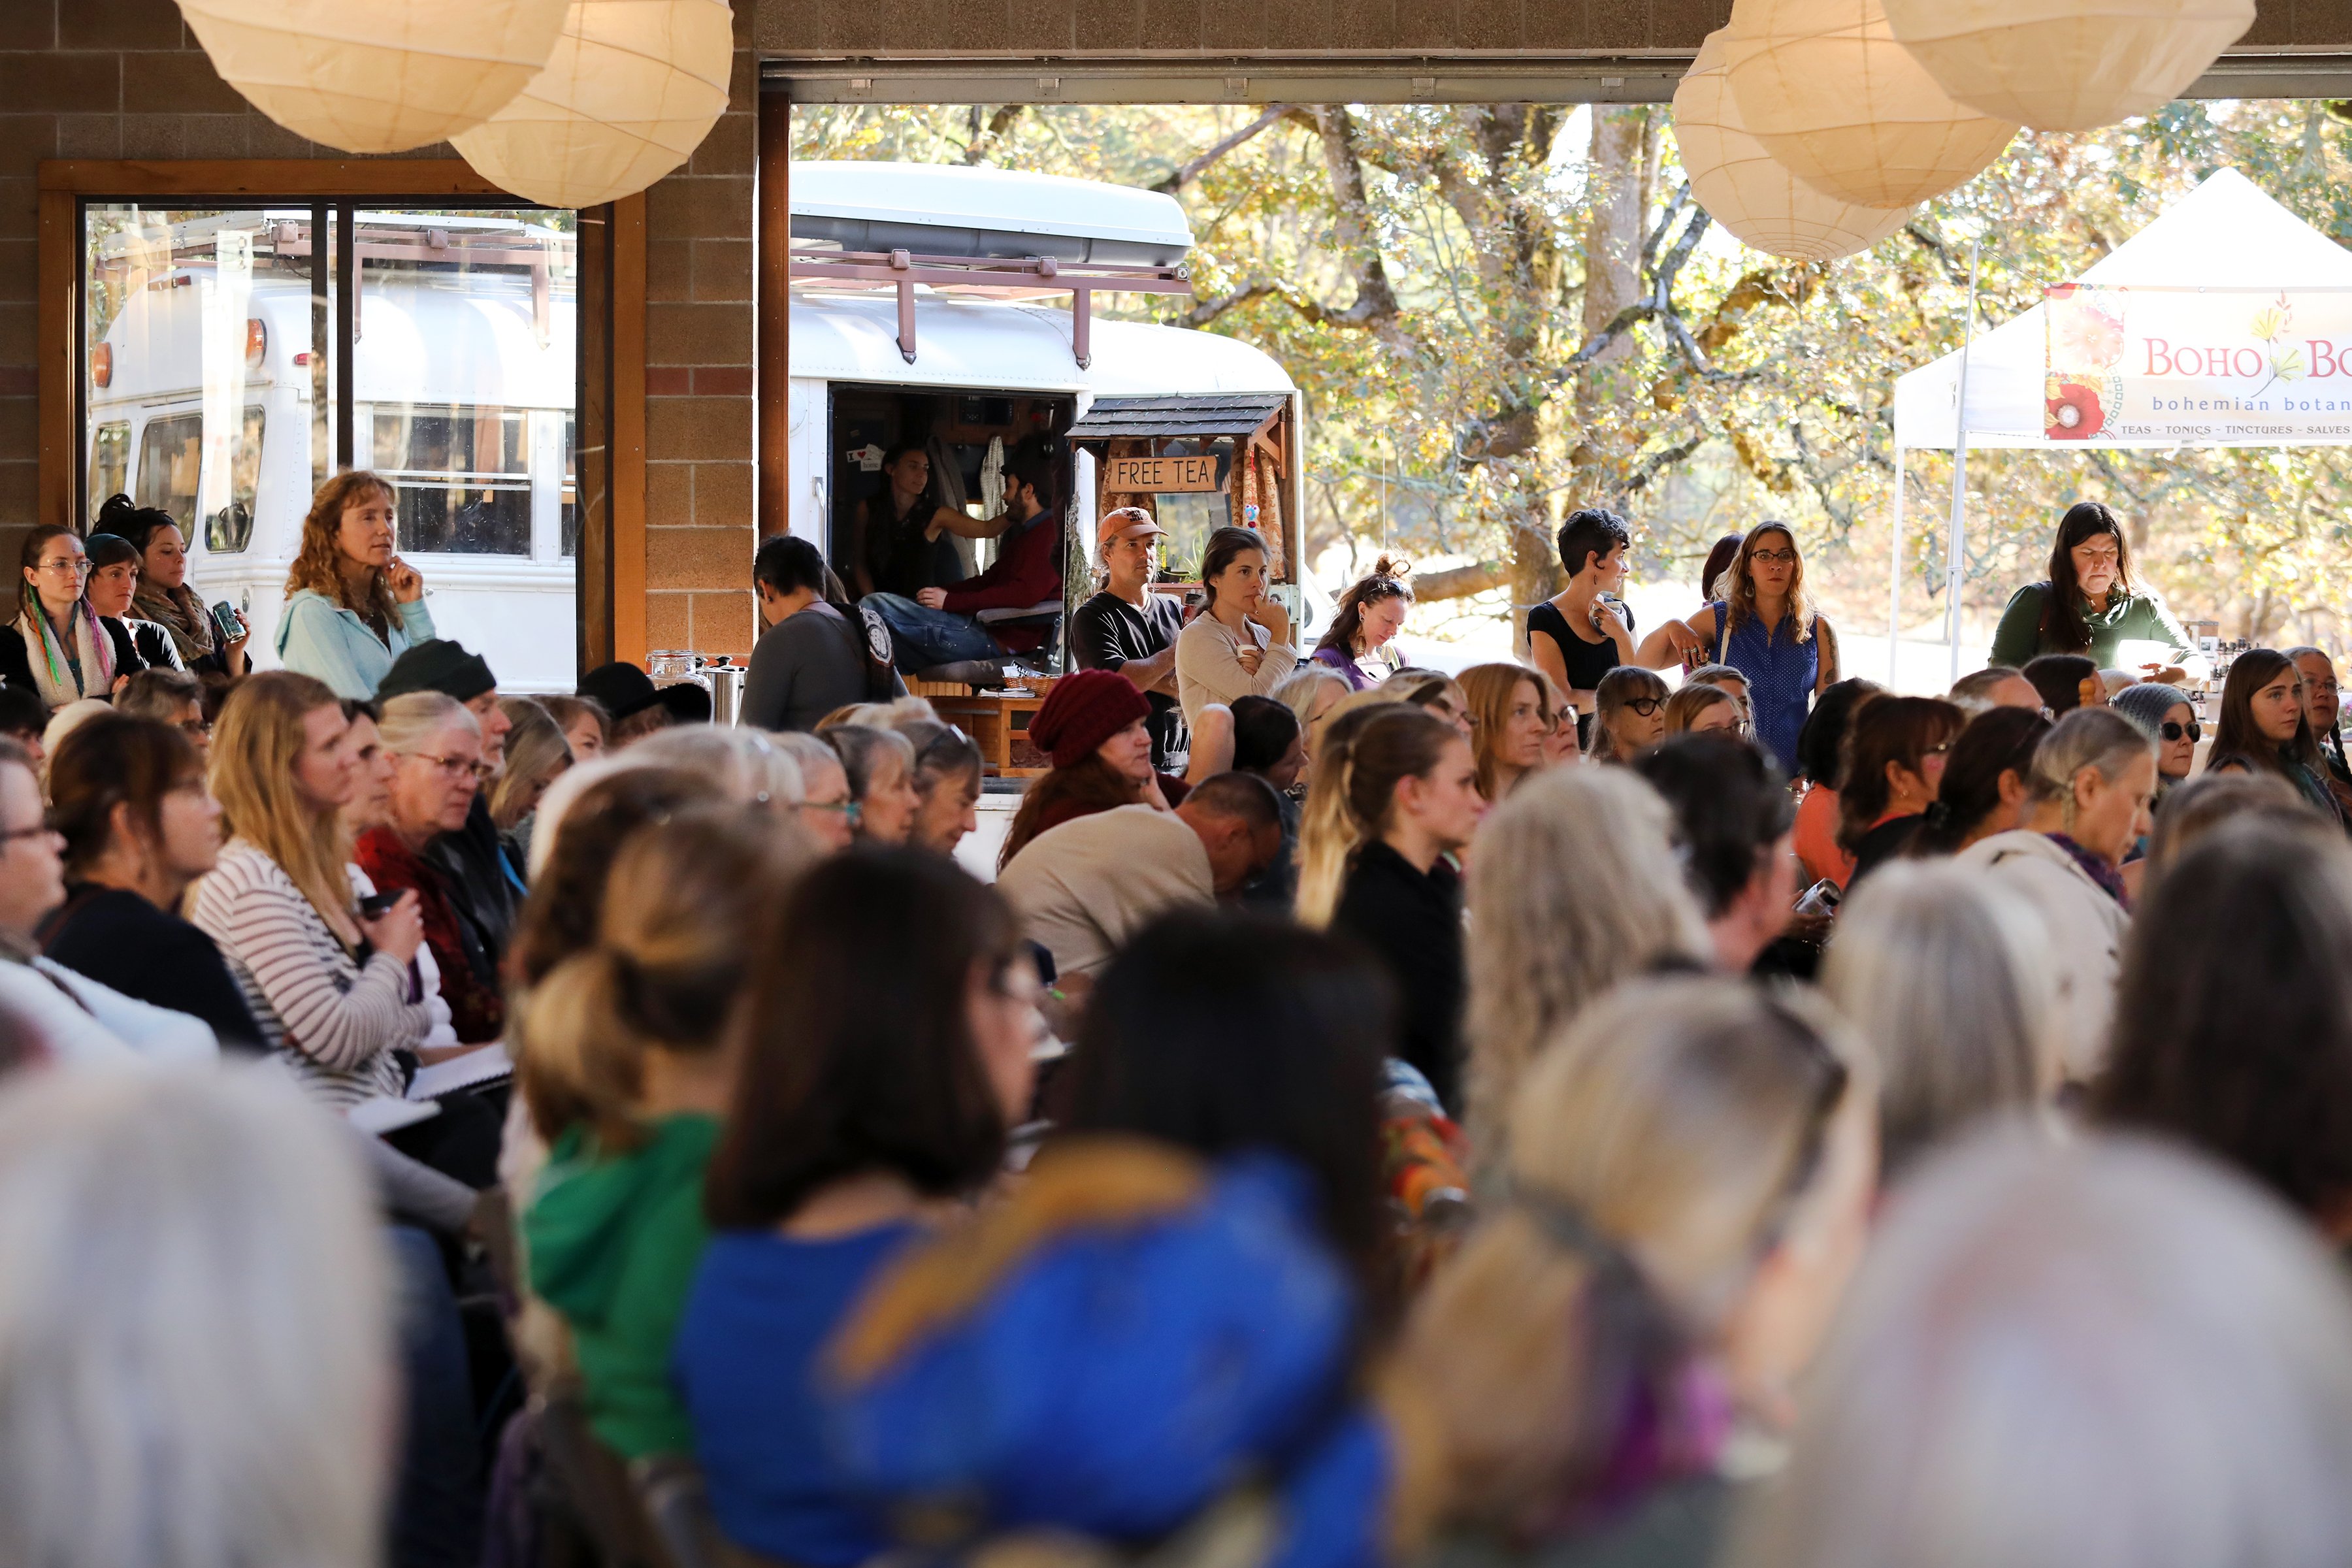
612,391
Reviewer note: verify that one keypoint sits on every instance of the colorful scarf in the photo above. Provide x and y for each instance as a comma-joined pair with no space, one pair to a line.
179,612
2109,879
52,671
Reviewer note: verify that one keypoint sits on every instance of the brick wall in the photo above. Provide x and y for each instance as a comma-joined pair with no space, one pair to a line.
700,529
123,79
1075,29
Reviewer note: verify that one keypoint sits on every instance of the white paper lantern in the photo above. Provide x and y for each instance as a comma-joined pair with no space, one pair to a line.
630,90
1742,188
376,75
1831,95
2067,65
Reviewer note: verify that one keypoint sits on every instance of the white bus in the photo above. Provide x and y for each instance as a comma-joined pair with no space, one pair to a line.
463,375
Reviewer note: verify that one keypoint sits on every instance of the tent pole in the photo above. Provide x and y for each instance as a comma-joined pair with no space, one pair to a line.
1955,555
1894,575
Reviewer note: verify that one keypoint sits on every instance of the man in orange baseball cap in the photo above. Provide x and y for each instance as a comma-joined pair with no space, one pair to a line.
1128,628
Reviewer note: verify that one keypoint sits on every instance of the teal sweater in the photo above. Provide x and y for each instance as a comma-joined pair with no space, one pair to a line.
2127,616
319,636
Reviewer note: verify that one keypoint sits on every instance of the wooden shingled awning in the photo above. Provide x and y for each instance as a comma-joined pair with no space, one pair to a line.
1222,414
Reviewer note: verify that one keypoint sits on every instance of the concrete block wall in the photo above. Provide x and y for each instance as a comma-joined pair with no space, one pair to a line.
699,473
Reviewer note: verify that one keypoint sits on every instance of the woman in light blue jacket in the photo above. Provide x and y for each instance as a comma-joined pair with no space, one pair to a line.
352,605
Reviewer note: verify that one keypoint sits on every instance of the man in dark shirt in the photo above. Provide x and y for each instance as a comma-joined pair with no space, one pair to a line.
938,625
811,659
1128,628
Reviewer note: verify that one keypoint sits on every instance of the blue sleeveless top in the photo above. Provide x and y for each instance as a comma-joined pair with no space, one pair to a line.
1782,673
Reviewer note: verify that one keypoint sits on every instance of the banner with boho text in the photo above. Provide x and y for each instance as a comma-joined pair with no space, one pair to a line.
2199,366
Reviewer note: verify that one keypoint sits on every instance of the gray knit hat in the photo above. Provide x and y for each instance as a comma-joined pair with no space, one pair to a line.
2147,703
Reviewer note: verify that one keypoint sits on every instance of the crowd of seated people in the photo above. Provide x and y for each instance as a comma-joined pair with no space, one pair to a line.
440,1126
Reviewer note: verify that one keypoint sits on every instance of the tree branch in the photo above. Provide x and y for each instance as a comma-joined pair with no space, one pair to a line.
985,136
1375,303
1275,114
1460,581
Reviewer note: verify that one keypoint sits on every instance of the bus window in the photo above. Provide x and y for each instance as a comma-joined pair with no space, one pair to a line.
171,456
230,528
109,462
463,475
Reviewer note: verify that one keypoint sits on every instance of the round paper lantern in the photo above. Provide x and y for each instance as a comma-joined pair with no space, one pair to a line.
1744,190
2067,65
1831,95
630,90
374,76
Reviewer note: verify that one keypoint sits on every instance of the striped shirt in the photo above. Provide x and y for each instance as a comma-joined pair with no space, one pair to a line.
335,1023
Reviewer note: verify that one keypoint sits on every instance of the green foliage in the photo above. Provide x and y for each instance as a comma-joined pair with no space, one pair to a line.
1453,423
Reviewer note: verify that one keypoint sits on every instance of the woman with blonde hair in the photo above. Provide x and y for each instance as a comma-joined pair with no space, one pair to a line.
352,604
435,745
1577,888
1691,1172
622,1072
536,755
327,984
1944,972
1313,691
1562,744
1508,724
1328,832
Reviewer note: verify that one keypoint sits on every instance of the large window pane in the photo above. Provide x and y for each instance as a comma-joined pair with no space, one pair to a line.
198,323
221,388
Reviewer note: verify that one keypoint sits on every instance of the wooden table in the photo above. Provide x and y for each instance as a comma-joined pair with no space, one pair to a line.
997,722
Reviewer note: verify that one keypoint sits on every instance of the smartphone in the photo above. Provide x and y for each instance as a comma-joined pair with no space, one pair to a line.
230,625
1821,898
375,906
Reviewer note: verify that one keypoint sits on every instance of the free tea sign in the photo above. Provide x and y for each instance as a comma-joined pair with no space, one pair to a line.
2212,366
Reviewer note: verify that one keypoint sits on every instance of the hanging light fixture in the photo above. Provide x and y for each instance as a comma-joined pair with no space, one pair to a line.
2067,65
1746,192
630,90
1837,102
369,76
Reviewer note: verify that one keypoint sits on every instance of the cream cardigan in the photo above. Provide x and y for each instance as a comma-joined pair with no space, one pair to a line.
1208,666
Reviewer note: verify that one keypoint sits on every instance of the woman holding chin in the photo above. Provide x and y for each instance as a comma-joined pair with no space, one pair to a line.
1239,645
352,604
2089,605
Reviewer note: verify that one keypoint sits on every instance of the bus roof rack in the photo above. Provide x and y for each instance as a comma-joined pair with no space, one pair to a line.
947,210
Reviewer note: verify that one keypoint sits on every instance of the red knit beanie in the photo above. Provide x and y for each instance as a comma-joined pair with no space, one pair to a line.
1082,712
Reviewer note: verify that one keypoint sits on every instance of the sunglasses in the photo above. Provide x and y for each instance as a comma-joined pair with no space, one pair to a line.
2193,730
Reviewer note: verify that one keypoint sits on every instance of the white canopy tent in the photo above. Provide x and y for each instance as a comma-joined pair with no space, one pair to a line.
2225,233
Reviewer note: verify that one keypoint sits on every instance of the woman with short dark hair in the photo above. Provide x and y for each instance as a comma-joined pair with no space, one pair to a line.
1585,630
883,1051
1988,781
164,594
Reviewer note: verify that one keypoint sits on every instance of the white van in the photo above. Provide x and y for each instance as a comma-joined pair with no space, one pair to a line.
980,360
463,390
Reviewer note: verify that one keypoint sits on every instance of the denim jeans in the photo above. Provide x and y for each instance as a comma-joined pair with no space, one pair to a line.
436,1515
925,636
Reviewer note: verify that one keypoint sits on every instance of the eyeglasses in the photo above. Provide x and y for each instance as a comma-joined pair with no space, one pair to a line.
2193,730
78,565
852,813
1644,706
1776,557
457,767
